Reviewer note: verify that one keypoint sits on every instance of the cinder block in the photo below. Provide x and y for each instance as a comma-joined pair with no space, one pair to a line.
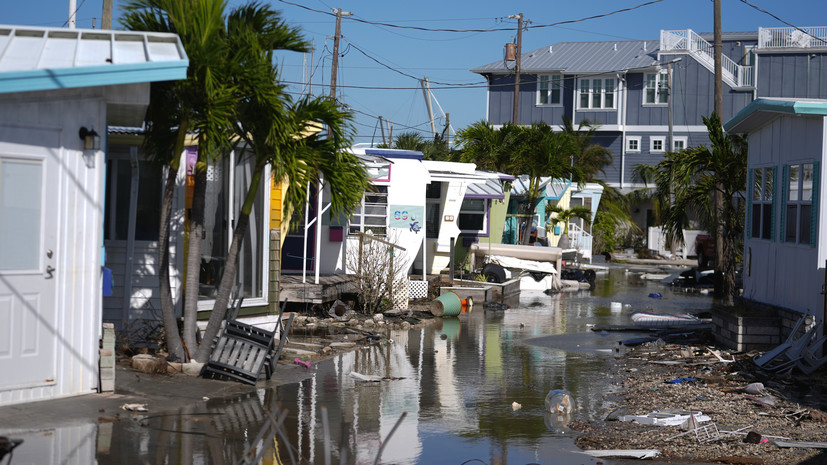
107,385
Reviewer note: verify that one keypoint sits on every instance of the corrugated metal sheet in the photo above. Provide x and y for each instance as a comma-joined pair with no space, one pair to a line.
554,188
583,57
491,189
37,58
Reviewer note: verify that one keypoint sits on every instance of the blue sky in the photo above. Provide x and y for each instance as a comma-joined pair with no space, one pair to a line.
371,90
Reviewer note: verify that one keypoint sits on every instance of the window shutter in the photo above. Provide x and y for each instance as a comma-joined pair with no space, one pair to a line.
774,203
750,176
784,188
814,209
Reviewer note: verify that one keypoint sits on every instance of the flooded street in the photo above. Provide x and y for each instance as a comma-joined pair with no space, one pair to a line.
454,382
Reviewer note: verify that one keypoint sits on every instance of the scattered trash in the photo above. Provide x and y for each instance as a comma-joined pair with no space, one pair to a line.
205,398
767,400
134,407
655,295
340,311
615,414
616,307
366,378
299,361
667,417
624,453
753,438
681,380
495,306
559,401
717,355
516,406
755,389
801,444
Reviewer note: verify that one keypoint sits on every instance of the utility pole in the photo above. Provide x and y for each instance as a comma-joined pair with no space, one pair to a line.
382,128
447,129
73,12
720,288
519,19
335,63
106,16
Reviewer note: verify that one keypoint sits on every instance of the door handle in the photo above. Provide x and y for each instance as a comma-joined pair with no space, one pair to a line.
50,271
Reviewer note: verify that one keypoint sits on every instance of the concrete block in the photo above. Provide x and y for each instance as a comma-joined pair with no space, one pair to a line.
107,385
148,364
192,368
763,330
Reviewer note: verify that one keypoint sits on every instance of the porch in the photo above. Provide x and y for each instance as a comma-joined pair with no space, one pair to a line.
329,288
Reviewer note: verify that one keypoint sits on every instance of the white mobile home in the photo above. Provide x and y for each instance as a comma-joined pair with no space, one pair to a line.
59,90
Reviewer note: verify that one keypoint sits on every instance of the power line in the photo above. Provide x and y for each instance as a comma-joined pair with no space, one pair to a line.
785,22
499,29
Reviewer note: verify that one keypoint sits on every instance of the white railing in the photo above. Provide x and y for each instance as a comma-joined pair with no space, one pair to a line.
790,37
581,240
688,41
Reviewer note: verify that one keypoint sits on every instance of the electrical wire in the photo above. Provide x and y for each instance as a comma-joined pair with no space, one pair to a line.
746,2
499,29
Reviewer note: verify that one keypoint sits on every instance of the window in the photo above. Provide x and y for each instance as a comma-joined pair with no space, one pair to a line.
763,195
372,214
633,144
433,214
549,90
678,144
655,89
656,144
118,190
472,216
799,220
597,93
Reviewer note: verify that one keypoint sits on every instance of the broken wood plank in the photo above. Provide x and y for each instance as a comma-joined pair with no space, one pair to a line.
801,444
625,453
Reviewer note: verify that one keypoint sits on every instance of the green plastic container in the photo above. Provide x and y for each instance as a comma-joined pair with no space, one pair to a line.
448,304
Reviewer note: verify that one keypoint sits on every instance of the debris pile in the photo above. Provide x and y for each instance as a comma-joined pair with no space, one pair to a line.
702,404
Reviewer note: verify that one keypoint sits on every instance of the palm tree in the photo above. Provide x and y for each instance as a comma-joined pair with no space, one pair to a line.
686,182
280,133
202,104
565,215
535,151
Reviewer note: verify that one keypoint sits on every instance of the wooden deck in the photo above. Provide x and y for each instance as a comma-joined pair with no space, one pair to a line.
330,288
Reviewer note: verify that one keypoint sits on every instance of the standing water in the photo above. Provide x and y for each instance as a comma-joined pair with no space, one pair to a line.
463,390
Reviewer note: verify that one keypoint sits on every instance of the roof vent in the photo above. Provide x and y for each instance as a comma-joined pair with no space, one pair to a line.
615,48
644,45
549,49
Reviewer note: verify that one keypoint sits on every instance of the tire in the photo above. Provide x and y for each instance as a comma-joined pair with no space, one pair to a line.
494,273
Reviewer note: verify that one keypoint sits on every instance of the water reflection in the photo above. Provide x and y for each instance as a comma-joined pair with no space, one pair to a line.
455,381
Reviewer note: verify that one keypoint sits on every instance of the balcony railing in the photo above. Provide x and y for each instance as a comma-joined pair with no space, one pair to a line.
790,37
688,41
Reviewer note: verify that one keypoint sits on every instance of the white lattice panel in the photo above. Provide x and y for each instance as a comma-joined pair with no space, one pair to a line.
400,294
418,289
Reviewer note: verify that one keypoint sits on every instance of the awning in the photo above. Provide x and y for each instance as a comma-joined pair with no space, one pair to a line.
491,189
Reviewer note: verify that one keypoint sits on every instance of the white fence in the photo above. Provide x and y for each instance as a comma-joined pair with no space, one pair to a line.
656,240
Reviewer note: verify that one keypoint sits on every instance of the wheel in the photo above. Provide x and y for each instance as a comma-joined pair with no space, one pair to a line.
493,273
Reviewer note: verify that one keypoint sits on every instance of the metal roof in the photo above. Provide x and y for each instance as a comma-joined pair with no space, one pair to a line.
582,57
491,189
554,188
395,153
764,109
39,58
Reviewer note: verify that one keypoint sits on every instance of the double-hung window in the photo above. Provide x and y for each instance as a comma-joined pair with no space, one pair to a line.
800,185
657,144
372,214
472,216
656,89
597,93
550,89
763,195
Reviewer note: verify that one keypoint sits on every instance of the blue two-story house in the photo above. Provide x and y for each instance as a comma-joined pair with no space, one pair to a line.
622,86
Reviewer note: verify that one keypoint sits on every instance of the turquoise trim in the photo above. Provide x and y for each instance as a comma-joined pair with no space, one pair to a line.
92,76
797,107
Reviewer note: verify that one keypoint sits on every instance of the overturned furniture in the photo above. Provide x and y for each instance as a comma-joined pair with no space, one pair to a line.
242,350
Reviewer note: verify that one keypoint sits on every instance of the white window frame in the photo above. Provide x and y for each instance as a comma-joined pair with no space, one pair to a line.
586,88
374,199
629,140
661,90
675,141
484,213
546,85
653,139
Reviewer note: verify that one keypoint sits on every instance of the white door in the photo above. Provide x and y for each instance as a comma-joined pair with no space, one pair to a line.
28,238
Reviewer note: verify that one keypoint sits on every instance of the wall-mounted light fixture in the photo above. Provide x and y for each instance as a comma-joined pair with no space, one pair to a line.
91,139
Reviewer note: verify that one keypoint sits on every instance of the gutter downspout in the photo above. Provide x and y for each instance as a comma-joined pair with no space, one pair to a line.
623,132
574,100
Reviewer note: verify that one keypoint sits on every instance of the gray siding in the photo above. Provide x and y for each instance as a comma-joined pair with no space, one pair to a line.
645,157
800,75
614,142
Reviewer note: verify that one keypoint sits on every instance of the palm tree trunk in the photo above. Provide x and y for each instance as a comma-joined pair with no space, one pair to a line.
173,339
196,223
531,197
222,299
